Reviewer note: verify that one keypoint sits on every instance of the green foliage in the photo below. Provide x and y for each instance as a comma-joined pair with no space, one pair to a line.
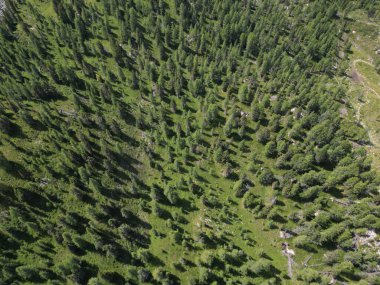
261,267
240,187
128,128
27,272
309,275
266,177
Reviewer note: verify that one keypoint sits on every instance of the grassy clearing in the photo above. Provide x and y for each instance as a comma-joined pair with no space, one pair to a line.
366,90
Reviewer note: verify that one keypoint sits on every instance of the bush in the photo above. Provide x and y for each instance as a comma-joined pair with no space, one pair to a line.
332,257
261,267
252,201
301,241
27,273
311,192
240,188
301,163
144,275
94,281
266,177
207,258
263,136
204,275
271,149
308,275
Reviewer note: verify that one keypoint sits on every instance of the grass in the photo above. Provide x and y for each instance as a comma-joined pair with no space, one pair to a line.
238,221
366,93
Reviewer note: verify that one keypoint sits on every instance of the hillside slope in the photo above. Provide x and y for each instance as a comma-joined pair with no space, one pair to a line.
182,142
365,79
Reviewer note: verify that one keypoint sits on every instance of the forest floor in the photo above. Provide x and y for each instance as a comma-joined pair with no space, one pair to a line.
365,83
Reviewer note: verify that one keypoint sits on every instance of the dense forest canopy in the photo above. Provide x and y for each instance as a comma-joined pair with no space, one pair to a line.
182,142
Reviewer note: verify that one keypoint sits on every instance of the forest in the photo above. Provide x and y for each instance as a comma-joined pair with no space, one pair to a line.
184,142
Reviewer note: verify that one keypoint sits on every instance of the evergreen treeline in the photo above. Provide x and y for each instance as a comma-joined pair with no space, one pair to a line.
168,142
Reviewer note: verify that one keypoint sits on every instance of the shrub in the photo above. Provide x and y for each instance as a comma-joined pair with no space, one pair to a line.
207,258
27,273
266,177
261,267
308,275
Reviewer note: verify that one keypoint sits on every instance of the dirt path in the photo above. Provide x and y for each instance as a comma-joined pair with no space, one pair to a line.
363,61
367,23
289,253
290,262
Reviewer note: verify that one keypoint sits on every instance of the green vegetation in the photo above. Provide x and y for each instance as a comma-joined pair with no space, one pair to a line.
365,75
183,142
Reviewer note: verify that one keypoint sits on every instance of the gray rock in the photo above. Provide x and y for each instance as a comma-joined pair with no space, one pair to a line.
2,7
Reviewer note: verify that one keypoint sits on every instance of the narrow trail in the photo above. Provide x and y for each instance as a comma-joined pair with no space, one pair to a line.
290,262
367,23
289,253
363,61
365,81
